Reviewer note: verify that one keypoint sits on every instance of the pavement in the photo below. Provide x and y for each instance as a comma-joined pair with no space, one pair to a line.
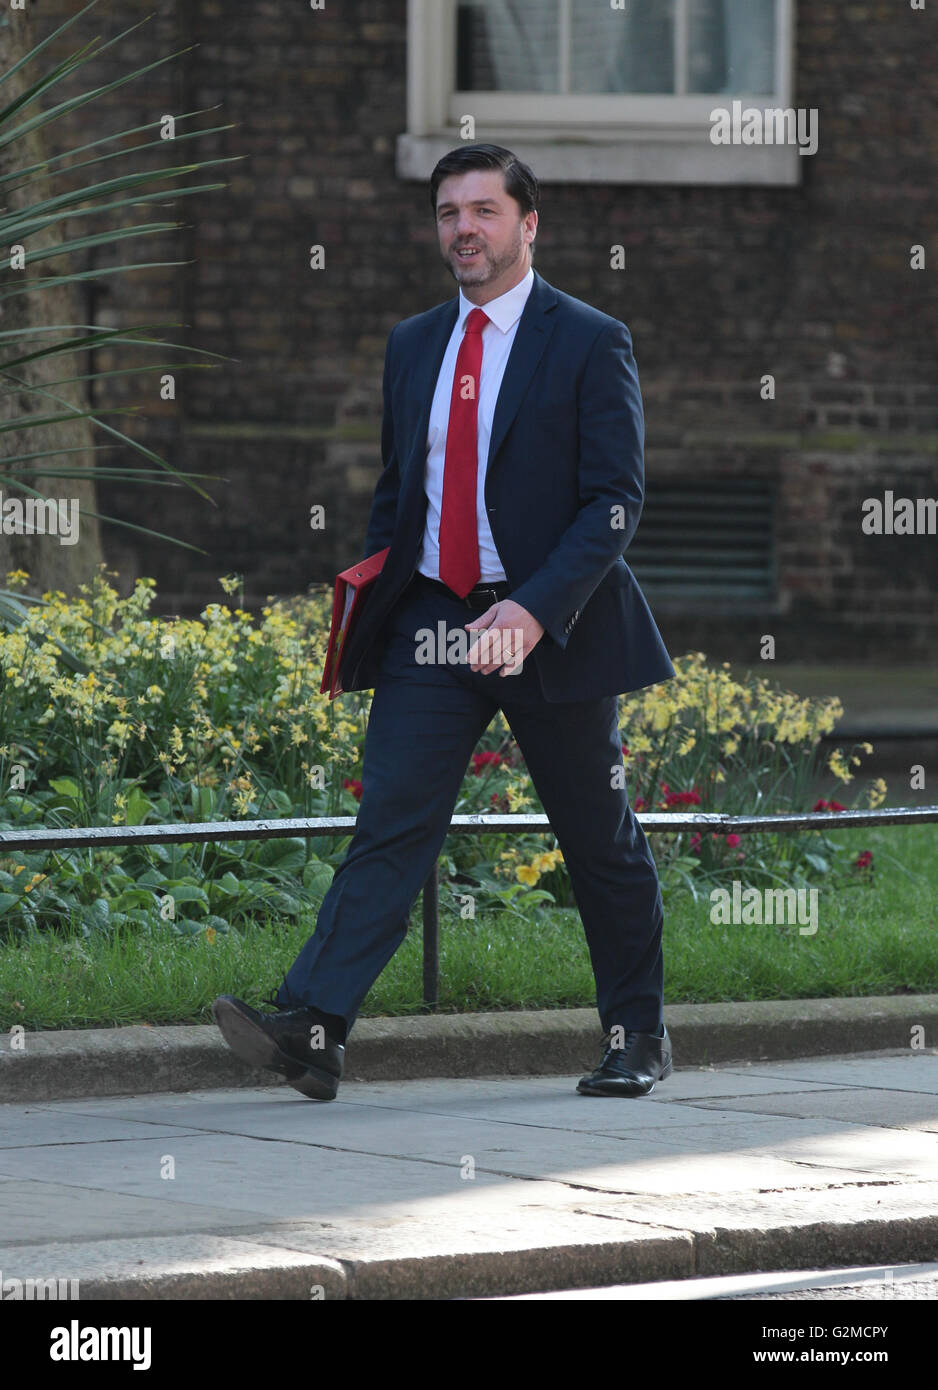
474,1185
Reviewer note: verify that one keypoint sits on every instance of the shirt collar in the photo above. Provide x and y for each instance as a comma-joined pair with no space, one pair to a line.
506,310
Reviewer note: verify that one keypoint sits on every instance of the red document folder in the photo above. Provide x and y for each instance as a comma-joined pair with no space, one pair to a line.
351,590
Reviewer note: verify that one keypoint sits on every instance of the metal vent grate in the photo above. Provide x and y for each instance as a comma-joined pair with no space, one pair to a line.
706,541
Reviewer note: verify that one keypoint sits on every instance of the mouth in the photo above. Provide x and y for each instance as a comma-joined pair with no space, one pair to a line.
468,253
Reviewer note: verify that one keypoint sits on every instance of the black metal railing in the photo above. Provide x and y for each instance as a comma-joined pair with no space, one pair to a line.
200,832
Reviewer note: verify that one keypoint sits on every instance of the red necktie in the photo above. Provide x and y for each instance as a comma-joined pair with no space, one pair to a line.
459,531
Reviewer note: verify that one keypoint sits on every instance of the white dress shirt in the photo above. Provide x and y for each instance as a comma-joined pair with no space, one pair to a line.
497,337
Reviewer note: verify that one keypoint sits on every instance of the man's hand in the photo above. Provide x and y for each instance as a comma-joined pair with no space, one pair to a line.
512,633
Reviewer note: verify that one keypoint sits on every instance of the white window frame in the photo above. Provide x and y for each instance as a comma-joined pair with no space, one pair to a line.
573,138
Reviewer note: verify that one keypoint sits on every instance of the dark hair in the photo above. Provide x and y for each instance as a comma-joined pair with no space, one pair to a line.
520,182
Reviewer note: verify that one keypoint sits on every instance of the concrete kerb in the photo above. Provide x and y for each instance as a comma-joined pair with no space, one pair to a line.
142,1060
228,1267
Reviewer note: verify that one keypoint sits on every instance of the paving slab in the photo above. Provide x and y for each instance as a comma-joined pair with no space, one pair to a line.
475,1187
31,1127
887,1070
410,1157
33,1213
891,1109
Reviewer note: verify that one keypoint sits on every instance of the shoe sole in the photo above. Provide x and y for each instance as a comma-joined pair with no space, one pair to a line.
249,1042
610,1089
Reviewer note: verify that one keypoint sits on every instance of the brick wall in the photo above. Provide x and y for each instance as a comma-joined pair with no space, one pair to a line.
811,284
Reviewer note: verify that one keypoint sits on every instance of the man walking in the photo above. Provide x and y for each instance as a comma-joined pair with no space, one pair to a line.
513,480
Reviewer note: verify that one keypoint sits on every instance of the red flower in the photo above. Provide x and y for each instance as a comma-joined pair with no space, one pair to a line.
828,806
691,798
639,803
355,787
695,844
864,860
480,761
733,841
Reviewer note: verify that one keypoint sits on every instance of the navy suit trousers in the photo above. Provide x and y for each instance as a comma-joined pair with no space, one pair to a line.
424,723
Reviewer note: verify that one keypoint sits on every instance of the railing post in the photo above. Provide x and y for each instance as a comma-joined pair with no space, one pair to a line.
431,939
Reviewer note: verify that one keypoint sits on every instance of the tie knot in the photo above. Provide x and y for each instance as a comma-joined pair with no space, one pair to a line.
476,321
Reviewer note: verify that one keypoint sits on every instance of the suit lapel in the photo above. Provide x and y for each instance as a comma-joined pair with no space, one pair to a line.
426,369
531,339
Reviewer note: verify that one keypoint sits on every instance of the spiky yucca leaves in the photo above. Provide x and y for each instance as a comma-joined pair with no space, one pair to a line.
54,208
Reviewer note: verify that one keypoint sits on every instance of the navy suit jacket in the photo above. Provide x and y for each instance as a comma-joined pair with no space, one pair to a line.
563,491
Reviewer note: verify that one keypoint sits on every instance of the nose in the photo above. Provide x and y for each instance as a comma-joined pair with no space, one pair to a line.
465,227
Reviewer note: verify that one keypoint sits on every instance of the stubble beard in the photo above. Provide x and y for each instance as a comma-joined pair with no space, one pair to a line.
474,274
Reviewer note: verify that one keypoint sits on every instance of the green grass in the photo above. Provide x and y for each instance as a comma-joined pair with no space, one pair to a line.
879,939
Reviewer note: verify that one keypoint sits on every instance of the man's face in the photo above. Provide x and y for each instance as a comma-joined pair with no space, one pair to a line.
484,238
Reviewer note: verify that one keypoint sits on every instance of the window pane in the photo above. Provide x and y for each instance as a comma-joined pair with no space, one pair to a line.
630,50
508,45
515,46
731,46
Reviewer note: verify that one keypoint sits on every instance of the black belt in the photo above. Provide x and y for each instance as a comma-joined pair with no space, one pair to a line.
480,597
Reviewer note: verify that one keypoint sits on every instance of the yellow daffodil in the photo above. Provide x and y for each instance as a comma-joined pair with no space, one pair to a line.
877,793
838,766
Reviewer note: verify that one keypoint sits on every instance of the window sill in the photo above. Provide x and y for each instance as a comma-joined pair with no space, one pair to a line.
672,156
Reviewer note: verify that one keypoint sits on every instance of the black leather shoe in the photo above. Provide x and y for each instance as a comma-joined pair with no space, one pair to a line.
289,1042
630,1070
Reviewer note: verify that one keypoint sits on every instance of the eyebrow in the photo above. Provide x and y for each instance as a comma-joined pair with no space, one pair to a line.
476,203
